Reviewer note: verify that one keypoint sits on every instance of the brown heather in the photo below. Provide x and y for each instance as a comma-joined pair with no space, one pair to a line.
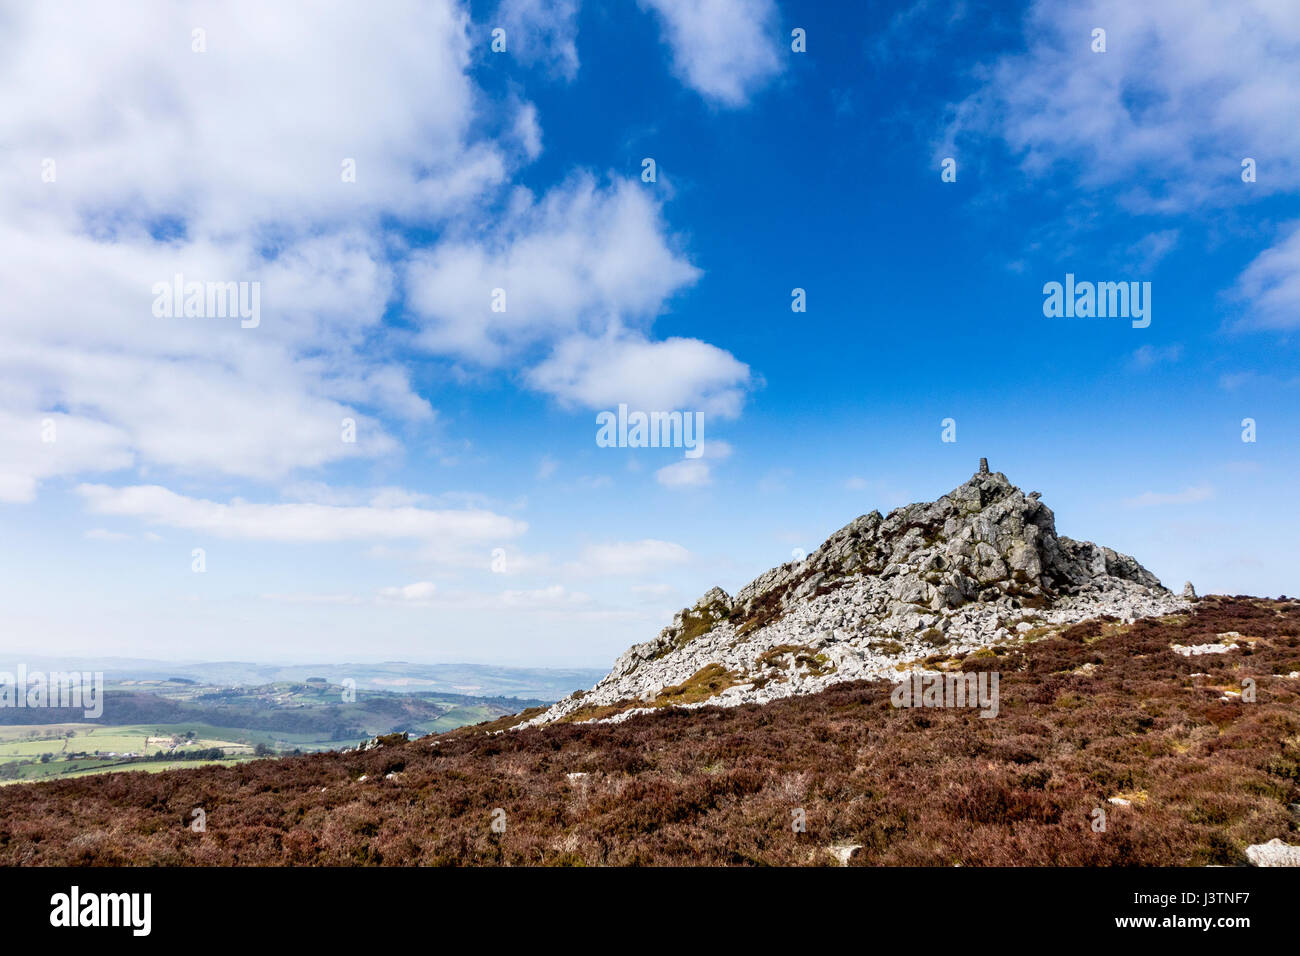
718,786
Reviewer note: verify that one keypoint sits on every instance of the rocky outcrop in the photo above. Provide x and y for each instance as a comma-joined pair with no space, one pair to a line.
981,565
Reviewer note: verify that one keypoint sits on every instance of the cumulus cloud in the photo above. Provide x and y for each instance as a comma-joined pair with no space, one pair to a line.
582,257
195,394
175,162
416,594
1185,90
542,32
688,473
577,278
673,374
527,130
168,160
37,445
1148,251
694,472
256,127
725,50
295,522
1270,286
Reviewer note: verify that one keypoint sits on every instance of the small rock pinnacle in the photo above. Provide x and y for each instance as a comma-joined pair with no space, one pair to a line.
984,466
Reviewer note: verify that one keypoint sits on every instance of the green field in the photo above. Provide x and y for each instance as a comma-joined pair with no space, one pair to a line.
48,751
144,726
34,740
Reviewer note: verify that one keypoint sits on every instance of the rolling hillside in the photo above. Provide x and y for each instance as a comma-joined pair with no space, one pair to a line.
1145,727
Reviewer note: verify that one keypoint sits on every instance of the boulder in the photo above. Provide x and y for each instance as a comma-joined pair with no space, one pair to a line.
1273,853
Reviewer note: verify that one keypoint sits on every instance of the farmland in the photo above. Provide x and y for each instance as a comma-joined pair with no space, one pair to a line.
154,725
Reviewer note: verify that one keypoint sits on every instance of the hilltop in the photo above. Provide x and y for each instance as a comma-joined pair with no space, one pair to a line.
977,567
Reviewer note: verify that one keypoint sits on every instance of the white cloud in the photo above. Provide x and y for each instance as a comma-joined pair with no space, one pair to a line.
1147,252
583,258
542,32
694,472
418,594
78,443
1185,90
1270,285
144,126
632,557
585,270
298,522
724,49
397,498
320,493
1189,495
162,169
527,130
172,138
687,473
675,374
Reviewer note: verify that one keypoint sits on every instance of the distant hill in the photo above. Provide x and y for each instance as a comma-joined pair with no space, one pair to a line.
289,707
146,722
475,680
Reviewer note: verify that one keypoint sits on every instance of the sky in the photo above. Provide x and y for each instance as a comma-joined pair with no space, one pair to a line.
462,257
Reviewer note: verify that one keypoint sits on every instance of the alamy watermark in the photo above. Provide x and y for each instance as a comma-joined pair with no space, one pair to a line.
1102,300
68,689
964,689
651,430
209,300
130,910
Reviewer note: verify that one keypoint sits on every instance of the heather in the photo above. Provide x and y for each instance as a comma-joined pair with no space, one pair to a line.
1091,712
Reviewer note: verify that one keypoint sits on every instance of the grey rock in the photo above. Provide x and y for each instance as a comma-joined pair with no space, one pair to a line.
959,573
1273,853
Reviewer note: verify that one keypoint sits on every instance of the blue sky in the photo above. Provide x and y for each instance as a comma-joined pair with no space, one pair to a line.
521,170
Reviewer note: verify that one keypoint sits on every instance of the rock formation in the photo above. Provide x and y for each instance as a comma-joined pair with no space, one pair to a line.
981,566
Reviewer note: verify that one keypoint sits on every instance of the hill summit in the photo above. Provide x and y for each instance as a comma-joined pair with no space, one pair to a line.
980,567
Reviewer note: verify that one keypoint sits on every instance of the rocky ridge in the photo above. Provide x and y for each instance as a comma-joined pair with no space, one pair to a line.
981,566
